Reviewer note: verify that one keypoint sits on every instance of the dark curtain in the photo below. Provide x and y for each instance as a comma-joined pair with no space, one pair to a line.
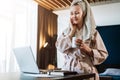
47,32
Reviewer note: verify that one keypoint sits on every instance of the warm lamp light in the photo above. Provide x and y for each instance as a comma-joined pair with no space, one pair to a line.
45,44
51,67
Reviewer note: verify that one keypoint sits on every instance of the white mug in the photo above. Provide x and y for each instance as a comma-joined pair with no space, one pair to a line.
74,42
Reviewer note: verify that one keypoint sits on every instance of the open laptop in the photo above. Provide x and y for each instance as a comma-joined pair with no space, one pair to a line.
27,63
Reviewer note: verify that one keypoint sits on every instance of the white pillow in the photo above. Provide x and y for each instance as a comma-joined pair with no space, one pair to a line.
112,71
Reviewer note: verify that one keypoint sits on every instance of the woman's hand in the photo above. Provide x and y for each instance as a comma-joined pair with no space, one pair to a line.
73,25
72,29
83,47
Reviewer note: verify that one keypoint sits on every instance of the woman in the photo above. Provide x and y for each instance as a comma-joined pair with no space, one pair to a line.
90,50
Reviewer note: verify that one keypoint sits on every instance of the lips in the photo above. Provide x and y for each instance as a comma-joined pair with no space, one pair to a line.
74,21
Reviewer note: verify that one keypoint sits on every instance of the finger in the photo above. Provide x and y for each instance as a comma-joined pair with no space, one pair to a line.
79,41
81,45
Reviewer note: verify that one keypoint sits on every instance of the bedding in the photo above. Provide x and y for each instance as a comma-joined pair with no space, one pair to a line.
113,72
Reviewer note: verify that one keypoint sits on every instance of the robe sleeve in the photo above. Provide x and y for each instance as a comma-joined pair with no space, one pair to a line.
63,44
99,51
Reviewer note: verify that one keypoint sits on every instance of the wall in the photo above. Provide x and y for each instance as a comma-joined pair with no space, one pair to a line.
106,14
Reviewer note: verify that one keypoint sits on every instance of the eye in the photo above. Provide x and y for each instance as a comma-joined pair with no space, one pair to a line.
71,13
76,12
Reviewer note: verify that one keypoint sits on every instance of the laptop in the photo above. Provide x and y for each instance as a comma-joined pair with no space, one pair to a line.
27,63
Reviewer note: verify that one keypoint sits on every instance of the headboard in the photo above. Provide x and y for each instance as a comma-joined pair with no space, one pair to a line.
111,37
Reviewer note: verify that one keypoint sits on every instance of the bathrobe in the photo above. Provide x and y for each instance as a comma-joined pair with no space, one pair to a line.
76,60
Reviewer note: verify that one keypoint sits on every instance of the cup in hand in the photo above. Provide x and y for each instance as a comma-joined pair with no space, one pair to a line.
74,42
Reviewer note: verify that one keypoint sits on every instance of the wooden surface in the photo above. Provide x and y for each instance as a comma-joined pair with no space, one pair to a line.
19,76
105,78
60,4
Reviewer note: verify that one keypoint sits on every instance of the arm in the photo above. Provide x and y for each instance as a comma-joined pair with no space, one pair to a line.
99,51
63,44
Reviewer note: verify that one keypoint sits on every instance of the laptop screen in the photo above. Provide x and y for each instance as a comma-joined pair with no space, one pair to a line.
26,60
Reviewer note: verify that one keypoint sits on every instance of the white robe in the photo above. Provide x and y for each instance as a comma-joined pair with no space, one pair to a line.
76,60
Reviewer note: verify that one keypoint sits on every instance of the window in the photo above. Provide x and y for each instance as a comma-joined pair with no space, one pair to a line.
18,27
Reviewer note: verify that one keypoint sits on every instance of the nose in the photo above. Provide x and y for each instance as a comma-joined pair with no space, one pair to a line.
73,16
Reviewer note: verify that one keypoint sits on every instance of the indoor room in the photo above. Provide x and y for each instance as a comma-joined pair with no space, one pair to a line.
36,26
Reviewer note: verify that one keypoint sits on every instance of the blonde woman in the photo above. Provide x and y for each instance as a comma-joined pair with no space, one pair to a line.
90,50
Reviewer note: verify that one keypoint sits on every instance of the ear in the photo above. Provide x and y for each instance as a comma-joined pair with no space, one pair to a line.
84,14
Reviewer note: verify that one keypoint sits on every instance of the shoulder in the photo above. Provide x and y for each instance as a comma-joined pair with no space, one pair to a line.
95,34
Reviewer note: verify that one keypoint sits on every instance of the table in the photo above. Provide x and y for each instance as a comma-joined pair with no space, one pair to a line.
105,77
19,76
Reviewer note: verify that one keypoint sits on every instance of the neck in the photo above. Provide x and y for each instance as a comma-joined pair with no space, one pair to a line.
80,25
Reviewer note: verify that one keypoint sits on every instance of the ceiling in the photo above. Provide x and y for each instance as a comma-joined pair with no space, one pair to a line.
60,4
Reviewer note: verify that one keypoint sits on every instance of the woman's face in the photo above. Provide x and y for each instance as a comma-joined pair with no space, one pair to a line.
76,14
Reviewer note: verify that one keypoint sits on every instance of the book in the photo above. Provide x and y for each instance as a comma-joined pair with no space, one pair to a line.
62,72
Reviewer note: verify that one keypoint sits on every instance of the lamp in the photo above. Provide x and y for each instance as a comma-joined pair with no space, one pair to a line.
45,45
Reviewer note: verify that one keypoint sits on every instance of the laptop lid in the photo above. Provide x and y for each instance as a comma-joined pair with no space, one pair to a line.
26,60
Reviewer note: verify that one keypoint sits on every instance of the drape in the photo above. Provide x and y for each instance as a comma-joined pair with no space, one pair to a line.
18,27
47,32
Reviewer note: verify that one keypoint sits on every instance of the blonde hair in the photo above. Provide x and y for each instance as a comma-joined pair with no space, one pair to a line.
81,3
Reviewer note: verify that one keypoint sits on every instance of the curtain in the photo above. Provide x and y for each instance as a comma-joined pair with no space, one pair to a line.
47,32
18,27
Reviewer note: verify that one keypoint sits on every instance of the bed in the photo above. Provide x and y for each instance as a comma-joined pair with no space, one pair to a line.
111,37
